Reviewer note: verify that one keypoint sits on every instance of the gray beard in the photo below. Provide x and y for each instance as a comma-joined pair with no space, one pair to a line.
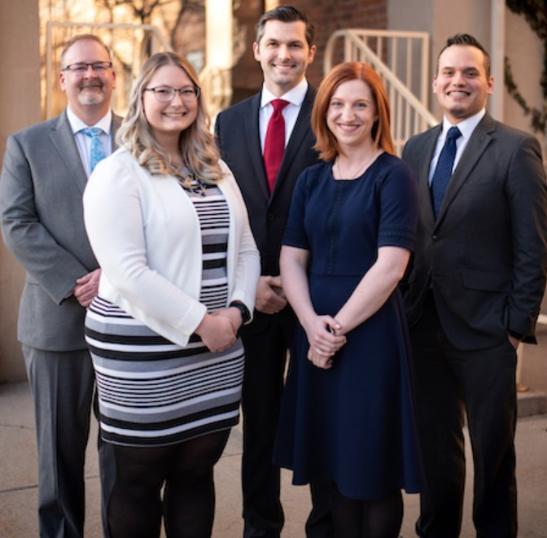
90,98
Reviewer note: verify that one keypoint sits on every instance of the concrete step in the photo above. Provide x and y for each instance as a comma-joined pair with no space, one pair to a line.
531,403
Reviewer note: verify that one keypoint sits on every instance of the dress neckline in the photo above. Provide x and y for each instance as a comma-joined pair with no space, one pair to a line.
358,178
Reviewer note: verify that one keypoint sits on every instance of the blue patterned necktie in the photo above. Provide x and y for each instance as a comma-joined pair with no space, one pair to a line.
97,150
443,171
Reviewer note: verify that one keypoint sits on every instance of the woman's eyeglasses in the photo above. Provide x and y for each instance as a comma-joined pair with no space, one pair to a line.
165,94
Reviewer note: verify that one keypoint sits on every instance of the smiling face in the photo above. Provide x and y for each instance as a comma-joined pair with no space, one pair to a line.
462,85
168,120
88,93
351,114
284,55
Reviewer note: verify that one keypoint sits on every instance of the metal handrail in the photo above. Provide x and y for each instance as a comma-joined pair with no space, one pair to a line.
215,82
388,75
390,39
410,114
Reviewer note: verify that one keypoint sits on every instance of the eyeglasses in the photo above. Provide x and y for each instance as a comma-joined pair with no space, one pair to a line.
165,94
81,67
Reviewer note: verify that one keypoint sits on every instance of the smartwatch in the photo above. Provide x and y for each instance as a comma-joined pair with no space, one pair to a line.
245,314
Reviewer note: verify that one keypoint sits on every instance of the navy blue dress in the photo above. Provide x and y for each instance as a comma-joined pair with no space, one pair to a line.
354,423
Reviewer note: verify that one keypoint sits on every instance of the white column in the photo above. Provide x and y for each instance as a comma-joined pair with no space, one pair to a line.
497,54
216,79
219,33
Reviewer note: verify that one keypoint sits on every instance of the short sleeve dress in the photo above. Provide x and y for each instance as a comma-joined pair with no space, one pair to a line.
353,423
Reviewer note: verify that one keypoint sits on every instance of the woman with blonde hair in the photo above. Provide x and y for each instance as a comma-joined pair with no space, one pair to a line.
347,413
179,265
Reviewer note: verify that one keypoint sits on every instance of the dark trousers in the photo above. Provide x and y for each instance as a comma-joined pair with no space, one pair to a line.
133,478
62,390
480,383
266,344
265,357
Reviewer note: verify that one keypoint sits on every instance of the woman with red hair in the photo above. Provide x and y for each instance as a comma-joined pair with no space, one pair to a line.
347,414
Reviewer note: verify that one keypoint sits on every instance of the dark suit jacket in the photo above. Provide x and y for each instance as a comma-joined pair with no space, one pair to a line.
485,257
238,137
237,132
41,190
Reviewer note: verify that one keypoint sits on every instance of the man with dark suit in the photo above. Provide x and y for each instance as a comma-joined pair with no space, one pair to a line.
474,292
266,163
44,175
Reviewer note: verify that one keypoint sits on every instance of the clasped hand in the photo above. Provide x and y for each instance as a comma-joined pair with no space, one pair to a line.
325,340
87,287
270,298
218,330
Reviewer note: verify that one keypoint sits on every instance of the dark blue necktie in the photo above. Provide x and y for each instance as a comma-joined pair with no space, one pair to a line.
443,171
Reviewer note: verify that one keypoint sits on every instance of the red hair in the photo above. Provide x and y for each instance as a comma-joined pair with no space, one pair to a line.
326,144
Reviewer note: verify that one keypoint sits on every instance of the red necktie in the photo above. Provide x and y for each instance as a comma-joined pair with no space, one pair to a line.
274,145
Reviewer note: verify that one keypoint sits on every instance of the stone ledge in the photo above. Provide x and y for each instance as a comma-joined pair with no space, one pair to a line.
531,403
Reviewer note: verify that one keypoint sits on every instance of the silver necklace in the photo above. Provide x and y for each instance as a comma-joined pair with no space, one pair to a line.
356,171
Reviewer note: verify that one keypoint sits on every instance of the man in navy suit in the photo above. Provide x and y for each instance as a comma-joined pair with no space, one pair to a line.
284,48
474,292
44,175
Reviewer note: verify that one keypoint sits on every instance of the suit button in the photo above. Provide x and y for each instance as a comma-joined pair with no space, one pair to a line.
434,237
271,217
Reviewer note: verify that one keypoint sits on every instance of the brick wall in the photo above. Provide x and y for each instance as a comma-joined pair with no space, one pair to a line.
331,15
246,74
327,17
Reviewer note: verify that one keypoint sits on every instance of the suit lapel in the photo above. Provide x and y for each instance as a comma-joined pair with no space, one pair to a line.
116,122
63,140
254,147
423,180
479,141
299,132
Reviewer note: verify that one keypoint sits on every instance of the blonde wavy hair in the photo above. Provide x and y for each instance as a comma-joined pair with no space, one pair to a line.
198,150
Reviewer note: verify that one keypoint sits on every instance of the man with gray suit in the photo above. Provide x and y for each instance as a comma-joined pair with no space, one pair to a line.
473,293
44,175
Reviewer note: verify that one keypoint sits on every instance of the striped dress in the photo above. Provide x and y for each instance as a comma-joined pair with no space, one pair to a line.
151,391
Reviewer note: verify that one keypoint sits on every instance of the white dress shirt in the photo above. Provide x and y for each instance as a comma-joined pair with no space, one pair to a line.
295,97
83,142
466,128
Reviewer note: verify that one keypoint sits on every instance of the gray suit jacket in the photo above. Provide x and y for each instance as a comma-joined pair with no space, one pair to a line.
485,256
41,190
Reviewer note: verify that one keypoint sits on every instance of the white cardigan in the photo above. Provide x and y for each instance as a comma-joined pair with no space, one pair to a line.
146,236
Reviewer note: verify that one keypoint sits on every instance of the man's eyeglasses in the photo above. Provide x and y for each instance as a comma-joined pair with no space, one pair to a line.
165,94
82,67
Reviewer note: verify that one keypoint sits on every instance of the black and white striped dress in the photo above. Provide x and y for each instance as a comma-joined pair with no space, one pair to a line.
151,391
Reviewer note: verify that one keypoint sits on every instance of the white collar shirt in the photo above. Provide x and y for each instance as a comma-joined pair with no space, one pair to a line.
466,128
83,142
295,97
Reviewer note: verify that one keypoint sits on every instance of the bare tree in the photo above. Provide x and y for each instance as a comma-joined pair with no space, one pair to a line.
142,11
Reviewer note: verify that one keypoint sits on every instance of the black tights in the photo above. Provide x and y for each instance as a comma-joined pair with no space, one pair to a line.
185,471
379,518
